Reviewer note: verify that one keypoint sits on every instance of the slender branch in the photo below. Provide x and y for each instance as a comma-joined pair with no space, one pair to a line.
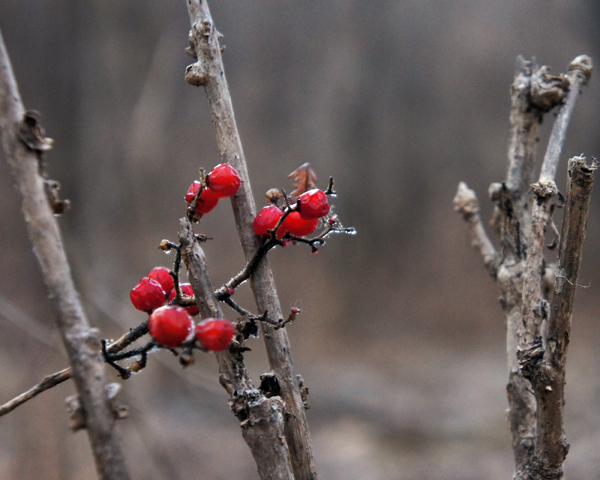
261,418
466,203
81,343
48,382
579,73
209,71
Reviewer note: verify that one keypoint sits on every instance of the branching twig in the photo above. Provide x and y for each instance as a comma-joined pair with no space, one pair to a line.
261,418
80,340
209,72
519,267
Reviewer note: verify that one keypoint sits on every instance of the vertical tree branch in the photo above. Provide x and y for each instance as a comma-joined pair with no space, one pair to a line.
546,370
81,343
209,71
535,308
520,270
261,418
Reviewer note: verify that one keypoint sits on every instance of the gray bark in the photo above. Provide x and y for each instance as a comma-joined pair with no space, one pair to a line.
80,341
209,72
261,418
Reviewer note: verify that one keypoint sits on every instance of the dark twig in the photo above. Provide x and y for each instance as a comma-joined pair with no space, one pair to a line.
82,345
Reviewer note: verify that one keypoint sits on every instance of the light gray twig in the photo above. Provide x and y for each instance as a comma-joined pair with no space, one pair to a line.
23,144
209,72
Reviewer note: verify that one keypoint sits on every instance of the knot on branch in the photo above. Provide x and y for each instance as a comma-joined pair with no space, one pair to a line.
531,359
547,90
195,75
77,415
269,385
32,133
191,49
241,402
266,410
582,67
544,188
57,205
465,201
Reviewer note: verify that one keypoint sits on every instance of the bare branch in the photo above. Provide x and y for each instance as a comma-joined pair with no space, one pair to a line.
48,382
535,308
209,71
261,418
546,369
466,203
81,343
579,73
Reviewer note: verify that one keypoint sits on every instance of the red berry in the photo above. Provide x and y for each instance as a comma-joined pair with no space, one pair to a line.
266,219
162,276
224,180
147,295
313,204
207,201
170,326
214,334
297,226
186,289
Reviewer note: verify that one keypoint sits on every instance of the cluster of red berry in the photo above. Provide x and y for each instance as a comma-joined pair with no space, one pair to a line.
301,221
172,325
222,181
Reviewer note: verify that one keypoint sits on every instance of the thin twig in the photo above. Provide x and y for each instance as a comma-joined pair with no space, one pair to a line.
48,382
209,72
82,345
466,203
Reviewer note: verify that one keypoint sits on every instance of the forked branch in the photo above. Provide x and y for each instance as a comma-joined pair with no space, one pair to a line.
208,71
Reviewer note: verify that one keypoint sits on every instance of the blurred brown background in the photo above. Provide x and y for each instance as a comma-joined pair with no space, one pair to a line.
401,338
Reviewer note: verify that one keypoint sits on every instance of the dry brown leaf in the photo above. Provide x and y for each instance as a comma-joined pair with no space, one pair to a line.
305,179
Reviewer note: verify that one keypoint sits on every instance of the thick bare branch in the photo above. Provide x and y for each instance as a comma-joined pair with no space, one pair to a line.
546,370
535,308
261,418
81,343
209,72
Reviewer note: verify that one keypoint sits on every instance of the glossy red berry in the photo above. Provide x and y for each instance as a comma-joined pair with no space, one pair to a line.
313,204
162,276
266,219
297,226
170,326
224,180
186,289
147,295
214,334
207,201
